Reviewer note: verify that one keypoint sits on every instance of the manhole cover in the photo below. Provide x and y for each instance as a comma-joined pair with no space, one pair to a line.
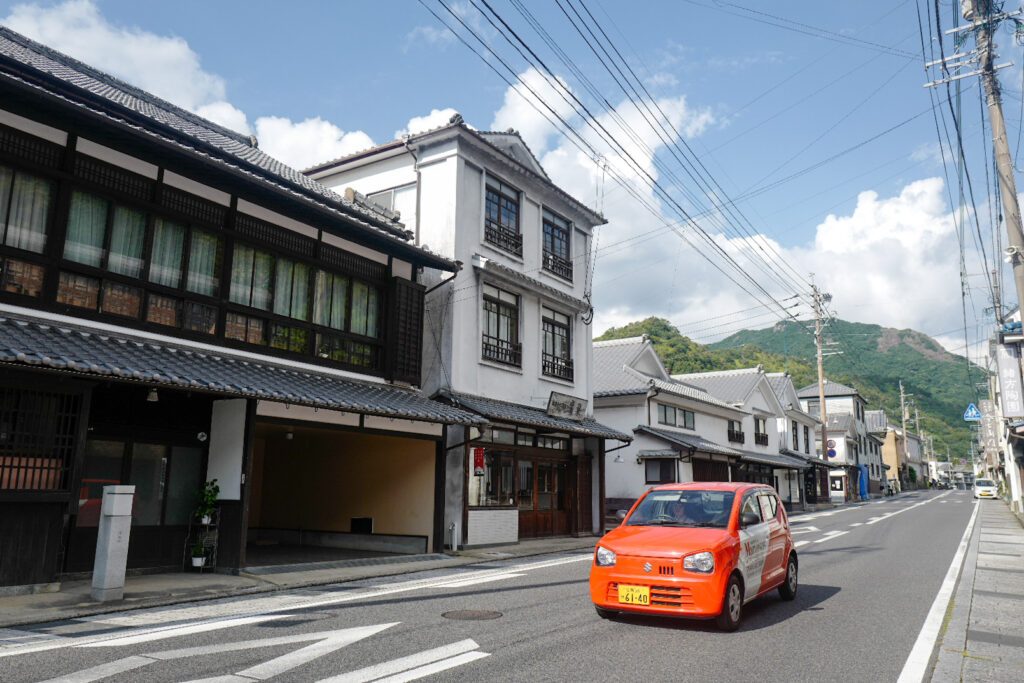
471,614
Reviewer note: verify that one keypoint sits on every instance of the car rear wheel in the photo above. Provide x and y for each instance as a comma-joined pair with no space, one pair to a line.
788,588
732,605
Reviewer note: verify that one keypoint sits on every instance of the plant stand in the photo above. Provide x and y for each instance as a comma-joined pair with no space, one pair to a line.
205,534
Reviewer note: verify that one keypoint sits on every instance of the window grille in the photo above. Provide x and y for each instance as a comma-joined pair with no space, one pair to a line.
113,178
38,430
20,145
270,234
190,205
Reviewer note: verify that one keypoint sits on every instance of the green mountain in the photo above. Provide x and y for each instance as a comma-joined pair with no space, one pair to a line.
873,359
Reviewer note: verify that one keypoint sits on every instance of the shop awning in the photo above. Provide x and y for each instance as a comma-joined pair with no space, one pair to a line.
781,460
811,460
687,441
107,353
515,413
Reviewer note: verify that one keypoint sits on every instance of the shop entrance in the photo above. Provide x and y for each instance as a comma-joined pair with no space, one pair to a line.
542,496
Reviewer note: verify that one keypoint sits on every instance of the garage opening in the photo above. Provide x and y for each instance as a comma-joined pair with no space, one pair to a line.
323,495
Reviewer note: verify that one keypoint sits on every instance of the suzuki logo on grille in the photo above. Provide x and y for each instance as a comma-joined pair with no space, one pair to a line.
648,566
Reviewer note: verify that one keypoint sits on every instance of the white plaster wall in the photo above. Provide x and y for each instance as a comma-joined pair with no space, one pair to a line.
227,447
492,526
759,403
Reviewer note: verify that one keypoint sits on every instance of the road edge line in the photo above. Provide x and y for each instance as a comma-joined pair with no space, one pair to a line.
921,654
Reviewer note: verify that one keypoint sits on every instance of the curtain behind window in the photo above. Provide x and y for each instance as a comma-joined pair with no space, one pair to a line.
87,224
28,212
203,263
364,309
6,178
127,237
168,245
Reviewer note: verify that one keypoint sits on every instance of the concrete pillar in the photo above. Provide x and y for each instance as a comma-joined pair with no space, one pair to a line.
112,543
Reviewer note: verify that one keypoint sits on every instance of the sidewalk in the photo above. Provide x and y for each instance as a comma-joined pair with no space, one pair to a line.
983,636
73,599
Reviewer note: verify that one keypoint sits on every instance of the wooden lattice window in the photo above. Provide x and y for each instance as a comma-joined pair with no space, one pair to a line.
37,438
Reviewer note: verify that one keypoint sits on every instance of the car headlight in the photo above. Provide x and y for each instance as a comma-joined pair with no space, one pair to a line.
700,562
605,557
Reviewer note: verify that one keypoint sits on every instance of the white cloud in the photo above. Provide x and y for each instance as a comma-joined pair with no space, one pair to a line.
418,124
523,111
164,65
428,35
662,79
308,142
167,67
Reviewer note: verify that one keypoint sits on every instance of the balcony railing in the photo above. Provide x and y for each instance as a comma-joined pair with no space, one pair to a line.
502,351
557,265
760,439
736,436
556,366
505,239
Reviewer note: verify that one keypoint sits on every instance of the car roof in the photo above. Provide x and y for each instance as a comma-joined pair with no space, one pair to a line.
712,486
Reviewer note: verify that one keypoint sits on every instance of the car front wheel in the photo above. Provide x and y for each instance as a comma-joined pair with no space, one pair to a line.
788,588
732,605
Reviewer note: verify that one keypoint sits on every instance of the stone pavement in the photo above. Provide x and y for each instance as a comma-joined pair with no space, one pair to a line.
73,599
983,637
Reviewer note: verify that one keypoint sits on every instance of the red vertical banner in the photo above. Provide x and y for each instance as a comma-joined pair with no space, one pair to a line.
478,462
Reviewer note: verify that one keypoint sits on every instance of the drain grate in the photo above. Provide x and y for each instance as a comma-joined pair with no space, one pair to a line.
471,615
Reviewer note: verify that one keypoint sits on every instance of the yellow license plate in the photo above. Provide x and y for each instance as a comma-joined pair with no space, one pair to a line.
635,595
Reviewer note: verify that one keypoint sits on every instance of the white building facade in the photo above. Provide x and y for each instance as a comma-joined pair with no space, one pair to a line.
509,335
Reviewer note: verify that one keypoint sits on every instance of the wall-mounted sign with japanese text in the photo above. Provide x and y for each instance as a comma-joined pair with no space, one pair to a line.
569,407
478,461
1008,360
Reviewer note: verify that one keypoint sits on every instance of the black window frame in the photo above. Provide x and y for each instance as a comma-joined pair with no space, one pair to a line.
176,311
760,431
499,198
556,244
552,364
493,346
664,465
734,432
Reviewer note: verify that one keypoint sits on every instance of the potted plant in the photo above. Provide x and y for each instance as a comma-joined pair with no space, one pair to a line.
207,501
198,554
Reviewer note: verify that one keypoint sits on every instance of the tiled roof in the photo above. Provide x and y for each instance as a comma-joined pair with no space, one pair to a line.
831,389
876,420
731,386
610,357
504,411
515,276
687,441
82,85
806,457
78,349
778,382
839,422
779,460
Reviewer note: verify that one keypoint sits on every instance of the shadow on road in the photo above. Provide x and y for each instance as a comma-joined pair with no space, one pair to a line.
764,612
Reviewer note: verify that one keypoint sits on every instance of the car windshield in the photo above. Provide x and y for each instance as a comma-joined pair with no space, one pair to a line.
690,508
983,482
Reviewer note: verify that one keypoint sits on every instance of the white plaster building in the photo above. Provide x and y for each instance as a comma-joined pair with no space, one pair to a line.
508,336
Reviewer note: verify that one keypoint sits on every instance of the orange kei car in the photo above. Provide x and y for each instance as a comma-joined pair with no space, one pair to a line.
701,549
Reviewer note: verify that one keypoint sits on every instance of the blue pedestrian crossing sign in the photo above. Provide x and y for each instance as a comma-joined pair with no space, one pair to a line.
972,414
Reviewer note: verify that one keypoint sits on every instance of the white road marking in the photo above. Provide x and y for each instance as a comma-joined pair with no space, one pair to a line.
165,632
800,543
887,515
916,666
288,603
474,581
431,669
325,643
394,666
857,524
803,530
830,535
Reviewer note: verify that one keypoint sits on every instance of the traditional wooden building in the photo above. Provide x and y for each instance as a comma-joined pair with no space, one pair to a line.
175,307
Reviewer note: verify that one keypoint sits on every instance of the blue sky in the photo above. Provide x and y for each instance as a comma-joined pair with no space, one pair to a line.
761,93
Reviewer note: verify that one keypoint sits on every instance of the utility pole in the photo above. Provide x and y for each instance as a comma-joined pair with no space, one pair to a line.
903,418
820,298
980,14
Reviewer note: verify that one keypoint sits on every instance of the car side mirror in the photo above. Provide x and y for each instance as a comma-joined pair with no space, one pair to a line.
620,514
749,519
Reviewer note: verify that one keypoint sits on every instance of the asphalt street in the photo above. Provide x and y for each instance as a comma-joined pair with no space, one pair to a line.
869,574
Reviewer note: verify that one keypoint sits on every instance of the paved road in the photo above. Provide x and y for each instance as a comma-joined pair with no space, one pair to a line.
869,575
